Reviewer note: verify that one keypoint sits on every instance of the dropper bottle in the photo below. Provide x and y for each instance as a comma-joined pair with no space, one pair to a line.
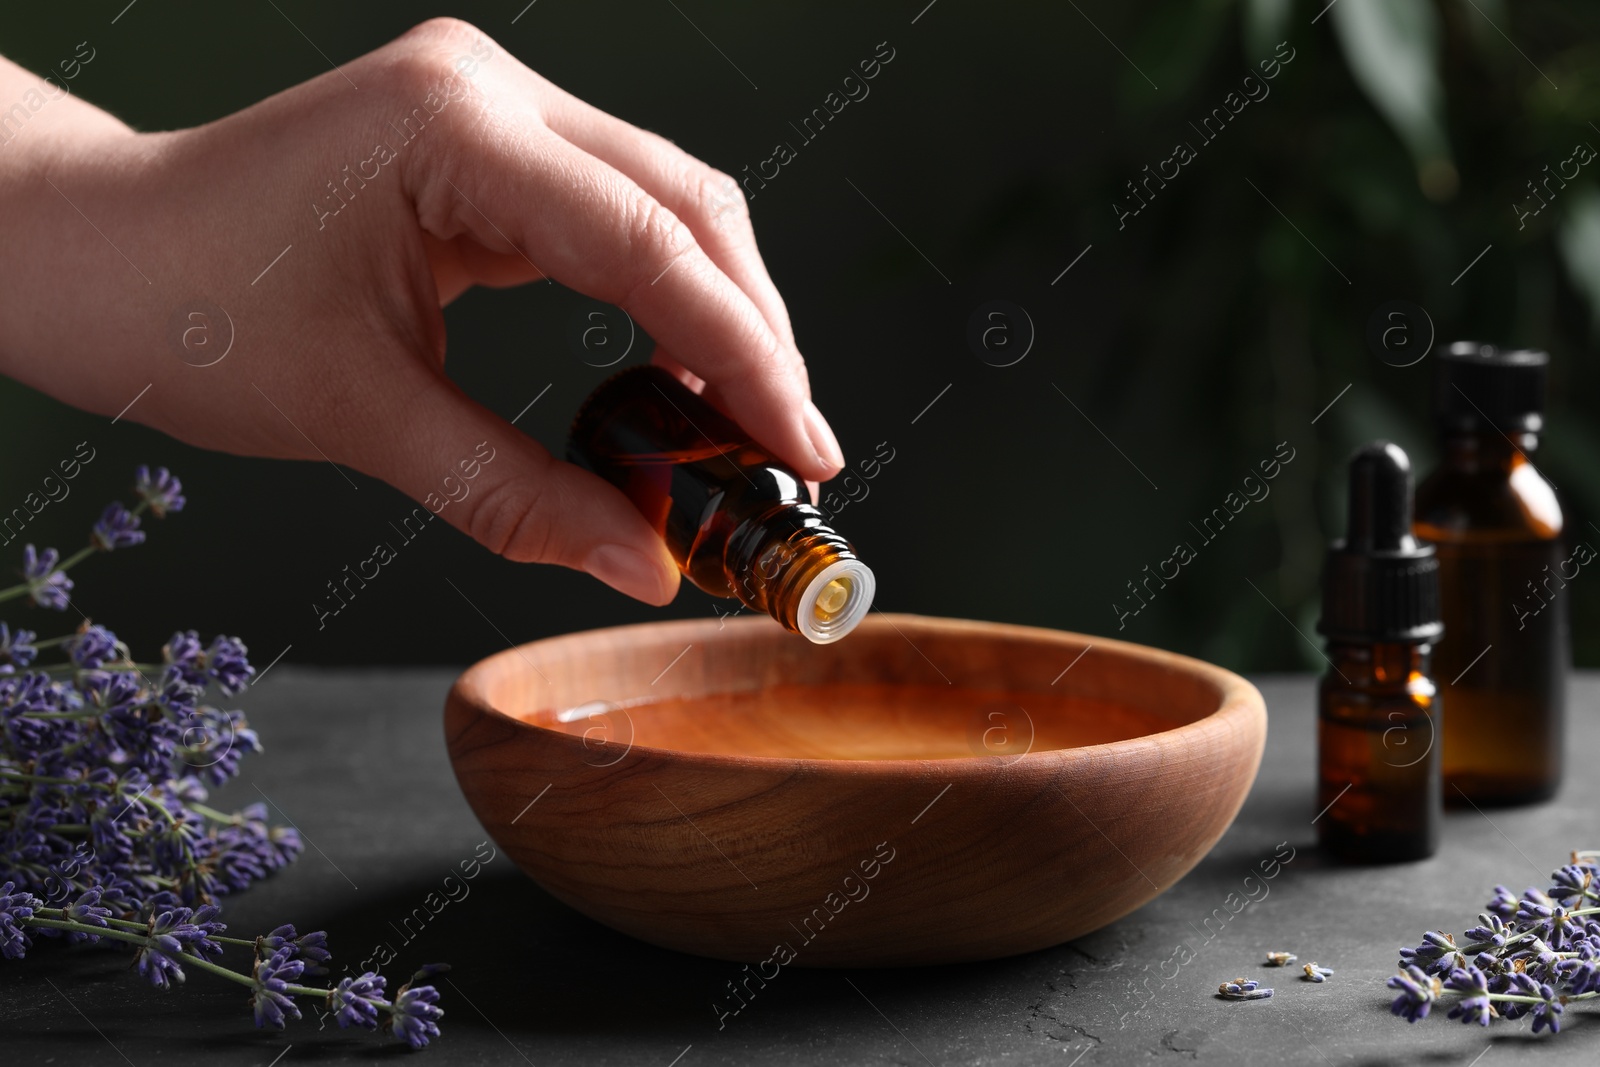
1378,741
738,522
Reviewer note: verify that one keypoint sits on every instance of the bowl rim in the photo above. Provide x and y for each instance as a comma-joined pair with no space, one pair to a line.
1239,705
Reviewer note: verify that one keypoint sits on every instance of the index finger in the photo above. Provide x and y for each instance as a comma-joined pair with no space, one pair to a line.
591,227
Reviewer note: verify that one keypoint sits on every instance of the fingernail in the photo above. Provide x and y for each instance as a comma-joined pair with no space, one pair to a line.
823,442
630,571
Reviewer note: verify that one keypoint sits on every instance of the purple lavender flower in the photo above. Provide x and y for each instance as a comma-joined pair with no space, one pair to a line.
22,695
16,647
87,910
1536,897
110,690
182,649
1545,965
1438,954
118,528
1491,931
158,958
224,661
1547,1013
158,901
281,843
272,977
192,929
416,1015
310,948
286,844
173,845
179,694
227,665
1546,919
1314,973
15,907
214,741
355,1001
239,855
162,492
313,949
1502,904
92,647
1581,973
1476,1007
47,586
1571,882
267,944
199,932
1418,991
142,735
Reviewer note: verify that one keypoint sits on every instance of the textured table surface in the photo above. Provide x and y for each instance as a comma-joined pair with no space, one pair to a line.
357,761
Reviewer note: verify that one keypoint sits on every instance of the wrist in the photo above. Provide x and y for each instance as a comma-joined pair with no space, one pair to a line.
76,188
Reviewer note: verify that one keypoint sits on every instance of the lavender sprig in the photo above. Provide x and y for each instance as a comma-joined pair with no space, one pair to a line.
105,830
1527,956
175,939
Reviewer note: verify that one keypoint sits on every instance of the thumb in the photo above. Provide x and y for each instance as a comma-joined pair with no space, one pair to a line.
503,489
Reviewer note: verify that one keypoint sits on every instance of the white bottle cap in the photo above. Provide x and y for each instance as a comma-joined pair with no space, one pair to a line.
836,600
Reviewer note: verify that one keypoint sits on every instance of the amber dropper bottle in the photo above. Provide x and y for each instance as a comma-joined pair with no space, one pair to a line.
1498,527
738,522
1378,784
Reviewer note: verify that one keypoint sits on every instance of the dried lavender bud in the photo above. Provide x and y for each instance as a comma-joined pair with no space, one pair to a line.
1280,959
1313,973
1243,989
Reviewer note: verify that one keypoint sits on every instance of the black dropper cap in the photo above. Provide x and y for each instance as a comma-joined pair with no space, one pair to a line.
1380,583
1480,388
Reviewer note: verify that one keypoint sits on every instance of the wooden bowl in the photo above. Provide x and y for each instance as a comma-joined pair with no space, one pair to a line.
925,791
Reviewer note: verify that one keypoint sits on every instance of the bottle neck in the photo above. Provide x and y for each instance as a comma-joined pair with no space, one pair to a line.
1487,450
788,563
1381,664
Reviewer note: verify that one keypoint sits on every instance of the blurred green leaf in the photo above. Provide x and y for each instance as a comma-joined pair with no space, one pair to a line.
1393,50
1579,241
1265,24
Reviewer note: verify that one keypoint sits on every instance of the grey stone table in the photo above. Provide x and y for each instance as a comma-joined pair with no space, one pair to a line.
357,761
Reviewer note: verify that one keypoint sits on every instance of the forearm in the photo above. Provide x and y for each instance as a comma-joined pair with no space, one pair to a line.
67,291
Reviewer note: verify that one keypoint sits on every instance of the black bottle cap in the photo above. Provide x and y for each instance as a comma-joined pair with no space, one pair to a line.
1380,583
1479,388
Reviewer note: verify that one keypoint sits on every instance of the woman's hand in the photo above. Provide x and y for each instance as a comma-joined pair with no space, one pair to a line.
377,193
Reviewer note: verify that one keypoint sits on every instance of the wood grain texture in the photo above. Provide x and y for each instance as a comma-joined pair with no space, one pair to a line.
731,856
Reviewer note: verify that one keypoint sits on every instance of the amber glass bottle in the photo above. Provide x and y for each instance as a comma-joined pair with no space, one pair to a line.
1378,758
1498,529
738,522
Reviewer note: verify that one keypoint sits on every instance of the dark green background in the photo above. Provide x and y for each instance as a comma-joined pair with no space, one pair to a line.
1197,338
